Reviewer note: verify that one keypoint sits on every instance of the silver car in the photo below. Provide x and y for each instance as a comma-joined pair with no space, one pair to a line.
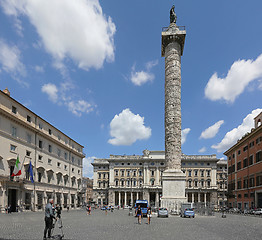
162,212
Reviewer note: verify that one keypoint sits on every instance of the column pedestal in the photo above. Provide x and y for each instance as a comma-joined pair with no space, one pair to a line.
173,189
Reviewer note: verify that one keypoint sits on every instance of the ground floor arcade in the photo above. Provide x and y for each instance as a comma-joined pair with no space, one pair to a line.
20,196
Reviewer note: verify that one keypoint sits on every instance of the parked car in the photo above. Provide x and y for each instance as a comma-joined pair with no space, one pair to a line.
258,211
162,212
103,208
189,212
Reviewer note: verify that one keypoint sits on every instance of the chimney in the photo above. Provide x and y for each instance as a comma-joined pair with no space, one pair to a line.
6,91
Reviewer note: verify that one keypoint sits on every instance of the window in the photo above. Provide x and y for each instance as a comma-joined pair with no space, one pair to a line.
40,144
189,173
251,160
40,125
50,131
195,163
73,170
238,165
65,156
122,163
196,183
239,152
258,156
99,175
252,181
189,183
40,158
59,137
128,173
58,164
161,163
152,173
134,174
251,144
202,183
140,163
152,163
73,159
116,182
28,118
78,171
28,153
49,161
140,173
208,173
258,140
65,167
239,184
49,148
12,148
245,163
58,152
39,176
134,183
245,183
208,183
128,163
123,173
202,173
116,172
104,175
14,110
245,148
195,171
14,131
233,156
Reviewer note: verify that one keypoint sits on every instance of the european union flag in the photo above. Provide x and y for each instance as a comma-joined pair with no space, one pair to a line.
30,170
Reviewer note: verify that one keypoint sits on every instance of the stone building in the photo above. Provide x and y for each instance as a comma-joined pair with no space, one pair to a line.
122,179
245,169
221,183
56,160
87,189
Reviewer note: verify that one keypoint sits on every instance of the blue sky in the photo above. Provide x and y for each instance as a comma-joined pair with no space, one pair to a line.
94,70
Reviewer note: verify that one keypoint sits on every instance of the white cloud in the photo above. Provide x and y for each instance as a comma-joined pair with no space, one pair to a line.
141,77
212,130
39,69
51,90
78,30
87,167
202,150
232,136
60,96
79,107
184,133
241,73
10,61
126,128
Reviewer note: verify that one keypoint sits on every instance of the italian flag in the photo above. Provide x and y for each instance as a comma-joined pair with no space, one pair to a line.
17,169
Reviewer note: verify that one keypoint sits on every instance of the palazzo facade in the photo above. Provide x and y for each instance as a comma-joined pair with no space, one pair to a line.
56,160
122,179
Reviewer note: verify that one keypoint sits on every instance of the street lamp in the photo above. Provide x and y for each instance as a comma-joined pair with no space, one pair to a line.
223,199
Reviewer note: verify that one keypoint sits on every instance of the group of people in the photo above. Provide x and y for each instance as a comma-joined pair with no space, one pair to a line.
139,214
51,212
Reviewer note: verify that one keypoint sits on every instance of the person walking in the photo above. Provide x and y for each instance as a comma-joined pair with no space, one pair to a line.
49,215
149,215
139,214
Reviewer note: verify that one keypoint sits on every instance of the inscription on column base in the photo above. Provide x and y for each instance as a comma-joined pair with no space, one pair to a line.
174,181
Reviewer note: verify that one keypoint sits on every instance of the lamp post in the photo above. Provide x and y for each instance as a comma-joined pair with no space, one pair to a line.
223,199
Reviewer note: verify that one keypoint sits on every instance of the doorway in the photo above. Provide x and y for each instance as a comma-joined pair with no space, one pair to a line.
12,199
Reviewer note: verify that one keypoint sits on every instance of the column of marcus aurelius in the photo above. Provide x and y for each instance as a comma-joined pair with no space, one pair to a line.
173,178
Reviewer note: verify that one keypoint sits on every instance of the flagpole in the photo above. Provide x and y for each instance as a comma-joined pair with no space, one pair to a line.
22,164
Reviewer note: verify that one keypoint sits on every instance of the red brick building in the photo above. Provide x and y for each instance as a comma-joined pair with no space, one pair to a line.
245,169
